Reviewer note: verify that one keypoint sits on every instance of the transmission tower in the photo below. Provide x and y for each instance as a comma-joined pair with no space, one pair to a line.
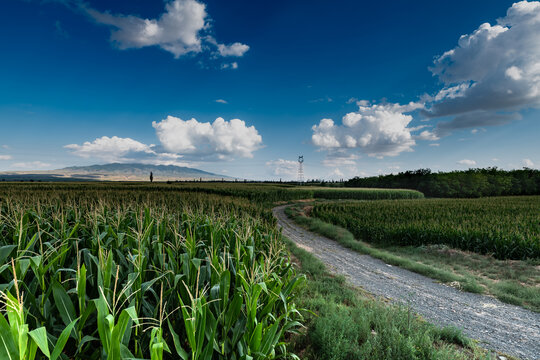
301,168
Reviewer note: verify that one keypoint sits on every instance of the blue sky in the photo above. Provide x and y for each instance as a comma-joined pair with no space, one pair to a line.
100,81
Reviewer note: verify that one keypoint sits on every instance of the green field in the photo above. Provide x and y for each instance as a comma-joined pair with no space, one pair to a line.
130,274
506,227
167,271
262,194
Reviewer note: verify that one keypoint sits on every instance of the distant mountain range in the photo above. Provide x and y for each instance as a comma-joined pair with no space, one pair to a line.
114,172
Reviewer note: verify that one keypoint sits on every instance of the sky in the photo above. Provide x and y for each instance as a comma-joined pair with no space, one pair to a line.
242,88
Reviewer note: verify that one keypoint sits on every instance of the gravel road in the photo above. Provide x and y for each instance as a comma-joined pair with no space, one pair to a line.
497,326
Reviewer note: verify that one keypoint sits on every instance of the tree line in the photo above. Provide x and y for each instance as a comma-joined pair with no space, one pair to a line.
458,184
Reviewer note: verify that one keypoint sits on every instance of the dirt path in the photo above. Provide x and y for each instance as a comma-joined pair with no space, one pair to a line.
498,326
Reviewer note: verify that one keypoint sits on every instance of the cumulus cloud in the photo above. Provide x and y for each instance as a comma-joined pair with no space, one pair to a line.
117,149
491,73
490,76
182,143
31,165
179,30
467,162
221,138
108,148
236,49
377,130
427,135
528,163
221,101
282,167
5,157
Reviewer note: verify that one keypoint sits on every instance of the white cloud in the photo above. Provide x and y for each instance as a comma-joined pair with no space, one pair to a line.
5,146
233,66
467,162
434,144
491,73
394,167
109,148
221,101
495,159
179,30
182,143
340,158
31,165
377,130
221,138
528,163
427,135
358,102
123,150
6,157
363,103
514,73
283,167
336,174
236,49
176,31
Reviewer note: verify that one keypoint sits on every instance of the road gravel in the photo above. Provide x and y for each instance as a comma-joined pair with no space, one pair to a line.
496,325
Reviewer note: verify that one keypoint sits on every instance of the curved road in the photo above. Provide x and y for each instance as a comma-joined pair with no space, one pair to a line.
497,326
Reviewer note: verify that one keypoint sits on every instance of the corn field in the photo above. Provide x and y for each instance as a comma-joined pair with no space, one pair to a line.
266,193
90,272
507,227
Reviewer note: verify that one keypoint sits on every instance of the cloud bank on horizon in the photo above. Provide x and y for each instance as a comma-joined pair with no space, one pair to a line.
490,76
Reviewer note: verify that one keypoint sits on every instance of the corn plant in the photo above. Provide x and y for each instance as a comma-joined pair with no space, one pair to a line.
507,227
17,341
126,272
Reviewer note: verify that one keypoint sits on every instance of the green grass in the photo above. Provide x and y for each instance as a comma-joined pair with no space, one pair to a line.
511,281
515,282
347,323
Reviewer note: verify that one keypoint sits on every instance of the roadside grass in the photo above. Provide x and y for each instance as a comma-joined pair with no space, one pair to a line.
514,282
347,323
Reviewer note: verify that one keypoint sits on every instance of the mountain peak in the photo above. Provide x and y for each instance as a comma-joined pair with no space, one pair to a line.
117,172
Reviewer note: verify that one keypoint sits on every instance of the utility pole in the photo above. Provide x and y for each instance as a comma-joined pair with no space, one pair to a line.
301,168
